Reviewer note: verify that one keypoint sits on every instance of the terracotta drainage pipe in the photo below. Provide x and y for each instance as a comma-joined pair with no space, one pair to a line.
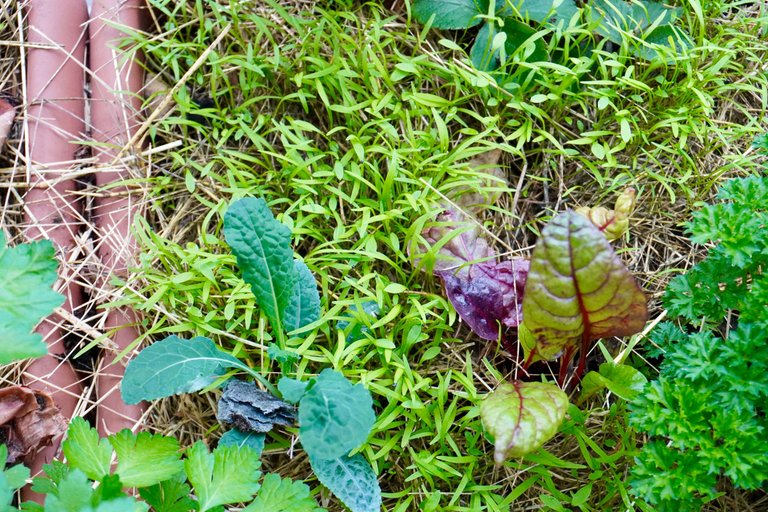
56,121
115,116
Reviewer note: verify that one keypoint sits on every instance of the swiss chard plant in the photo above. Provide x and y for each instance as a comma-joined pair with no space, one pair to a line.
505,31
334,416
707,413
573,291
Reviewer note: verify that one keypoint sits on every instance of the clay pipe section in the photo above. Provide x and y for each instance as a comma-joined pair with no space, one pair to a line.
116,79
55,110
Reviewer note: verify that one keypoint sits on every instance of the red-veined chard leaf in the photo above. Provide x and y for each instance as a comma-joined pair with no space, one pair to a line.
522,416
578,290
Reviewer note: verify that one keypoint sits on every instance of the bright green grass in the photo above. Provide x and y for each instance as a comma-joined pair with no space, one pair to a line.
345,121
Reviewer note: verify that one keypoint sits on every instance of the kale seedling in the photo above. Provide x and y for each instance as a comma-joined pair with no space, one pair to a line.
335,416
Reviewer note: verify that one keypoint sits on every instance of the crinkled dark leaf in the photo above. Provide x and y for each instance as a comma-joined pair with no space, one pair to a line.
355,326
522,416
351,479
262,246
541,11
488,294
235,437
304,306
578,289
335,416
252,410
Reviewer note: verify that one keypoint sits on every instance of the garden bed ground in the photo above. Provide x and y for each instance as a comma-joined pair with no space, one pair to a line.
351,120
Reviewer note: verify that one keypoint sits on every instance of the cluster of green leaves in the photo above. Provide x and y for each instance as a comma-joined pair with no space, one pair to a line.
29,271
345,117
706,413
335,416
167,479
506,36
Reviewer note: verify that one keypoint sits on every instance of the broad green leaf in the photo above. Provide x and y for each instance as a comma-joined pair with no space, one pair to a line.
522,416
304,306
484,54
292,389
283,495
110,488
228,475
664,36
622,380
335,416
173,366
16,476
85,451
262,246
252,440
613,17
6,493
121,505
26,297
145,459
171,495
578,290
450,14
351,479
541,11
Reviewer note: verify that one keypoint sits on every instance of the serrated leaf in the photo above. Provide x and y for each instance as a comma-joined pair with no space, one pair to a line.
450,14
74,494
578,290
238,438
85,451
262,246
171,495
6,493
26,297
228,475
282,495
173,366
304,305
292,389
622,380
335,416
120,505
284,357
16,476
522,416
110,488
145,459
351,479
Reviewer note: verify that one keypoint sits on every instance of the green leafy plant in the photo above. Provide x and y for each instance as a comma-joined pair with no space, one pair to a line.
167,479
335,417
29,271
706,413
505,31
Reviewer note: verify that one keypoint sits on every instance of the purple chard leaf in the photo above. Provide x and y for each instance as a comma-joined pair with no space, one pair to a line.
488,294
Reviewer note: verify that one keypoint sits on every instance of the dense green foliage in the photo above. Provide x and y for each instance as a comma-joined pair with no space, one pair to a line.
706,413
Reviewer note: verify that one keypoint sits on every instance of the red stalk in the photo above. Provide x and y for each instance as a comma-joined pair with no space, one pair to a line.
56,112
115,111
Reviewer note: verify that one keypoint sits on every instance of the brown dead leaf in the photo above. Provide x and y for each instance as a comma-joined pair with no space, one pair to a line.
29,419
